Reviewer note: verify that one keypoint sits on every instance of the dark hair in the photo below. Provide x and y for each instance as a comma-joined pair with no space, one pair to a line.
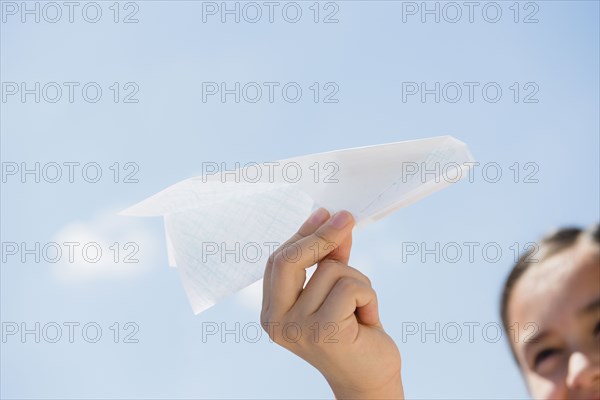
547,247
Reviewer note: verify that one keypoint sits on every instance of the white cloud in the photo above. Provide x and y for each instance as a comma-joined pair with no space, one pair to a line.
127,248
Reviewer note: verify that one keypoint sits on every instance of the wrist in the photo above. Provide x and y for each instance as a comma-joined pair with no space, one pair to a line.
390,390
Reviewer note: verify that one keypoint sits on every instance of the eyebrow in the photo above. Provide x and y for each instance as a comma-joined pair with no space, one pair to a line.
536,338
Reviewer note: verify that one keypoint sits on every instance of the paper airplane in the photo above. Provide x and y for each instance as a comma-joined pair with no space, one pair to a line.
221,227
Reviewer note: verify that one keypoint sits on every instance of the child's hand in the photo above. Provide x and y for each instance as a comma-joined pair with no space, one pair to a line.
333,322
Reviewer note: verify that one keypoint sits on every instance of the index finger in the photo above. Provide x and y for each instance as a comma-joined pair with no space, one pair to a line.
313,222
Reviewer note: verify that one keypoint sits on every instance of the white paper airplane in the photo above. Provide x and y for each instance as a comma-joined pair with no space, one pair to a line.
221,228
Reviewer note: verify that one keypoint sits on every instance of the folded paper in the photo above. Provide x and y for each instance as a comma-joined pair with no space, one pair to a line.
221,227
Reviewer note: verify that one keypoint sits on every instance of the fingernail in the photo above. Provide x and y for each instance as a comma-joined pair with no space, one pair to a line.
319,216
340,219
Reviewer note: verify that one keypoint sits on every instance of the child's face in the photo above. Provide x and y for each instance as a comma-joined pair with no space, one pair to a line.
554,312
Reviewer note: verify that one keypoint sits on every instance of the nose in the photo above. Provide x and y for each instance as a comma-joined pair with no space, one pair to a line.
584,372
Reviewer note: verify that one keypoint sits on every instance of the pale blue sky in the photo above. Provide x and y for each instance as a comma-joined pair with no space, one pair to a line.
171,131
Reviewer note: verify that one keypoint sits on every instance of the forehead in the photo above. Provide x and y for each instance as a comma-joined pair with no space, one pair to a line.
551,291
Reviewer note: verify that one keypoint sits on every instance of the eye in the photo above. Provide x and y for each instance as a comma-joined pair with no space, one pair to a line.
544,355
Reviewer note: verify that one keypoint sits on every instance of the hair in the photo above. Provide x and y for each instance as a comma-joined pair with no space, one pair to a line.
550,245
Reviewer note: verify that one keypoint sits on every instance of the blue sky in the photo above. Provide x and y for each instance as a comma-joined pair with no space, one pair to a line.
167,134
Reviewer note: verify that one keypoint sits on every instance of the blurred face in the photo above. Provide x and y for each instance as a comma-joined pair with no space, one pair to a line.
554,314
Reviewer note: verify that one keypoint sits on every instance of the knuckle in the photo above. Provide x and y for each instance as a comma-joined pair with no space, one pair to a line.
367,280
347,284
373,293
